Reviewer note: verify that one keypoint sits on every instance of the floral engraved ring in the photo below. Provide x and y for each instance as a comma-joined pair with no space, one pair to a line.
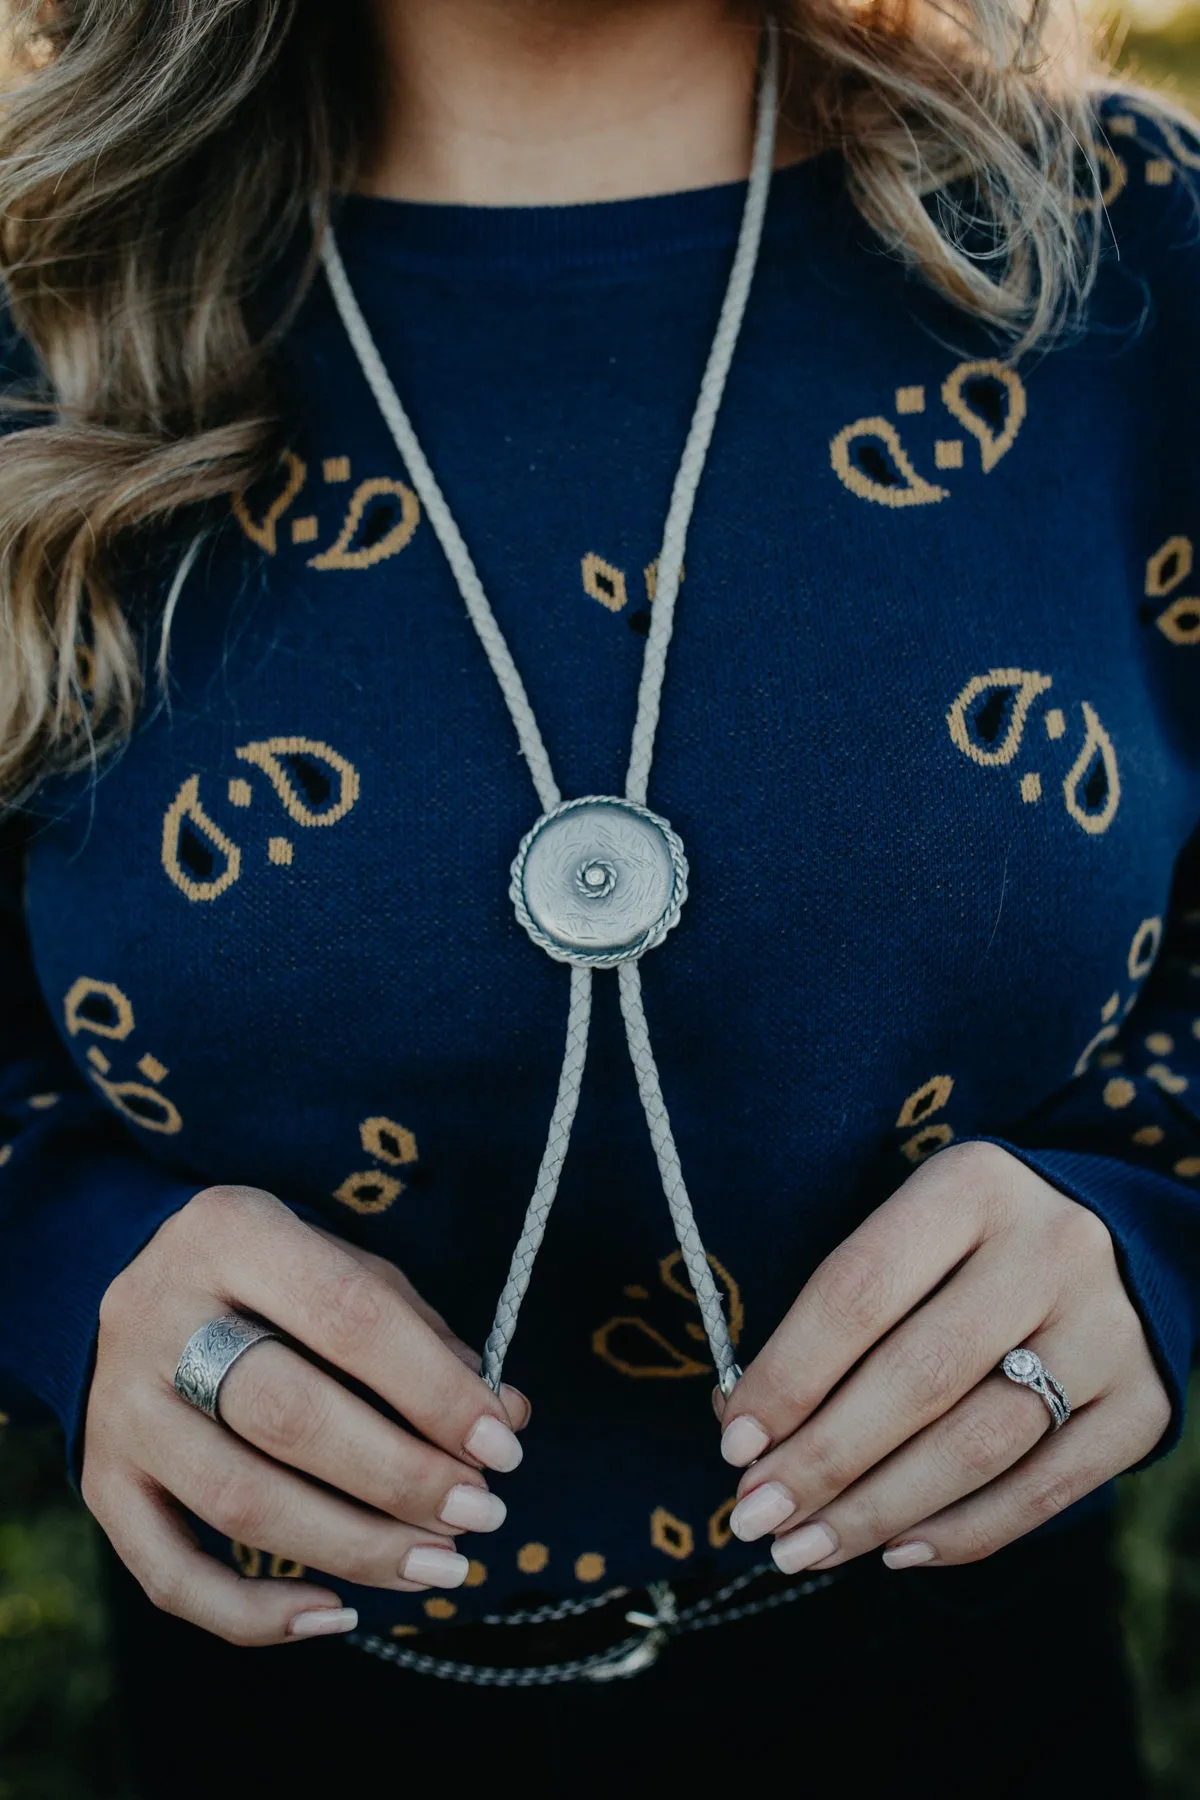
599,881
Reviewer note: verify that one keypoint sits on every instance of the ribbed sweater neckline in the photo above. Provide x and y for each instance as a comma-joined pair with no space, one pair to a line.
544,239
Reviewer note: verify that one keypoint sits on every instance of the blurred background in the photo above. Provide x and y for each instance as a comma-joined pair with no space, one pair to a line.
57,1736
1157,42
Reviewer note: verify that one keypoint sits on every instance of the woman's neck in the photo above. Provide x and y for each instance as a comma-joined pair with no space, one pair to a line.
543,102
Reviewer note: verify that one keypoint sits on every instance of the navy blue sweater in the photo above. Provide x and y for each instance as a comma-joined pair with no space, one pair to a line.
930,735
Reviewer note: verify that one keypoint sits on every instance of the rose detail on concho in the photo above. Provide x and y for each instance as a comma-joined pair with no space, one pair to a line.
599,881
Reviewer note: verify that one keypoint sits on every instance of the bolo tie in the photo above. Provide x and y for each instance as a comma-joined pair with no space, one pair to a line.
598,881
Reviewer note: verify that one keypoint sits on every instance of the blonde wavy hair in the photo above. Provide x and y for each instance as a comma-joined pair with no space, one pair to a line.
156,157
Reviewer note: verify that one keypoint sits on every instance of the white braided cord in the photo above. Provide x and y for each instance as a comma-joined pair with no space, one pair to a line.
708,1298
445,527
699,1617
533,748
695,454
553,1157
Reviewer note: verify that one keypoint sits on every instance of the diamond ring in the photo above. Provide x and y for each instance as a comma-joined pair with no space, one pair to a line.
1028,1370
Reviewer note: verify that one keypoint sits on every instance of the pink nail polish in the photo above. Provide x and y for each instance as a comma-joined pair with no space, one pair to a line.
801,1548
762,1510
435,1568
517,1404
909,1556
744,1440
494,1444
473,1509
327,1623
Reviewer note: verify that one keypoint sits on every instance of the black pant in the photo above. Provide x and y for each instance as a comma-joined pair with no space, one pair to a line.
1004,1679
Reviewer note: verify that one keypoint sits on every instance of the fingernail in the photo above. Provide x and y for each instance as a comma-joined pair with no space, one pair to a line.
323,1624
742,1441
761,1511
516,1405
494,1444
473,1509
802,1548
435,1568
908,1556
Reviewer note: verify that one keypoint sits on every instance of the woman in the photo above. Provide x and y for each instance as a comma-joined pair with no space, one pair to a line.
352,358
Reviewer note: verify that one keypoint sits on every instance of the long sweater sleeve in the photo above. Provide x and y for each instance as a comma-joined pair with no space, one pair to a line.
1123,1137
78,1199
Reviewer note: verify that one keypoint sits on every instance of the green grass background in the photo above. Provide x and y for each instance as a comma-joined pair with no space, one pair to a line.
57,1734
1168,58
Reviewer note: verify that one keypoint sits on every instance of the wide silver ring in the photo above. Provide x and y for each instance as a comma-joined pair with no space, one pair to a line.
1028,1370
210,1353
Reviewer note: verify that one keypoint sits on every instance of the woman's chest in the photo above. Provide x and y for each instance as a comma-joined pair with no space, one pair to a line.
915,735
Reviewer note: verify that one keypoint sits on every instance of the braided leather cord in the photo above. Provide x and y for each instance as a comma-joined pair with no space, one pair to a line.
695,454
604,1663
555,1154
641,755
708,1298
445,527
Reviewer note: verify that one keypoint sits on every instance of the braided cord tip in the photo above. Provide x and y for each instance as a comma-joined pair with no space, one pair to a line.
695,1258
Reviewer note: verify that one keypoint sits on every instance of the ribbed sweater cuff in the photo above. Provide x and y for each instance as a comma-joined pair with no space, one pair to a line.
74,1238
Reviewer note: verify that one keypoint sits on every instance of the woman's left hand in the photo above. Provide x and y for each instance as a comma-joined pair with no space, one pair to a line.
876,1415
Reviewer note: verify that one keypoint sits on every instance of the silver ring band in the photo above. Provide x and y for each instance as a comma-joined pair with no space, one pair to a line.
1028,1370
210,1353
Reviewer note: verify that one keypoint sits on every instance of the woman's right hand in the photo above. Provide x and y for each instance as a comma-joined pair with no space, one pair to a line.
401,1497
